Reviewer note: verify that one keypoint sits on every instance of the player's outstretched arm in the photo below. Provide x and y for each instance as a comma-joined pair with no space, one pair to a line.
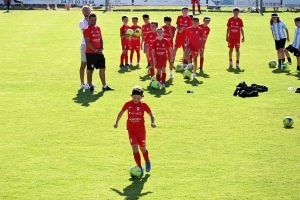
118,118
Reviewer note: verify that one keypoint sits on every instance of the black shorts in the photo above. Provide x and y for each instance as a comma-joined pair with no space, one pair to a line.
94,60
293,50
279,44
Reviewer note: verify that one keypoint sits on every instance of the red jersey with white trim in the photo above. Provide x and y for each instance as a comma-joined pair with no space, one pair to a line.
205,30
194,36
135,40
94,34
149,39
235,26
124,40
161,47
136,119
183,22
167,34
145,29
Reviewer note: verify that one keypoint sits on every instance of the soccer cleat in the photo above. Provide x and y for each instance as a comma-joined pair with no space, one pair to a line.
148,166
230,64
127,65
142,172
84,86
91,89
107,88
122,66
163,85
138,64
237,65
201,70
48,8
200,12
189,66
279,66
94,85
171,76
194,75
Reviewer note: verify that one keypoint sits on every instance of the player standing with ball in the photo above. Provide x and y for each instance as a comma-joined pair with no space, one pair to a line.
136,126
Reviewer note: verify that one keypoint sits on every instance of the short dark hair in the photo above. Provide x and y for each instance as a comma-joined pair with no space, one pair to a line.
92,15
236,9
167,19
154,22
145,16
135,17
124,16
297,19
137,90
196,18
191,16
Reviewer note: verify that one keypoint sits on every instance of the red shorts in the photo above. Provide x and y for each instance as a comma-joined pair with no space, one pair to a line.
234,43
195,2
193,50
137,137
160,64
125,47
179,42
135,47
150,59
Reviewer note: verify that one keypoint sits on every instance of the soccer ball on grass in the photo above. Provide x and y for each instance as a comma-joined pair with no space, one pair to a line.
187,74
135,172
156,85
272,64
179,68
288,122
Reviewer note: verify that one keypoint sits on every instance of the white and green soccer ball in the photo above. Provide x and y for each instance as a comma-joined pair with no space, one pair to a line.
187,74
272,64
285,68
179,68
153,78
156,85
138,32
129,32
135,172
288,121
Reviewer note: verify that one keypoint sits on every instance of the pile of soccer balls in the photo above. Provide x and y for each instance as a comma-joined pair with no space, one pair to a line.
186,73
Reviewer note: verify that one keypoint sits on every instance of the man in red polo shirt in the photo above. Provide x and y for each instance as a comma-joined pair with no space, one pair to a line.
94,53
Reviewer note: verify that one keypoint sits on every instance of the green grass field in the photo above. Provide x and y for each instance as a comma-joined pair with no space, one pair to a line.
58,142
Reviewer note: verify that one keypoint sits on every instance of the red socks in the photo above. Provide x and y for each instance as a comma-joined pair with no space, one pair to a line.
151,71
137,159
201,62
146,157
164,75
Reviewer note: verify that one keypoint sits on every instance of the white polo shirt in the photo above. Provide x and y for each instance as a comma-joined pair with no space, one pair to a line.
82,24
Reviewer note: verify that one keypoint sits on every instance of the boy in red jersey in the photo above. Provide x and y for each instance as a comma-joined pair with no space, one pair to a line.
149,39
94,53
183,22
159,54
194,2
194,42
136,126
206,31
135,41
125,42
145,29
169,32
233,36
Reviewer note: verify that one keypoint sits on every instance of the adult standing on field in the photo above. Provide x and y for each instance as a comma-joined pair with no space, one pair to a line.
233,36
82,25
94,53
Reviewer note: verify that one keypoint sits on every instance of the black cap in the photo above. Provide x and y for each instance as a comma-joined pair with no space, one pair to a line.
206,18
274,15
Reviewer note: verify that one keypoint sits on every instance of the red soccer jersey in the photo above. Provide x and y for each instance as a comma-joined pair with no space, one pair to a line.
135,40
94,34
145,29
161,47
183,22
235,26
149,39
124,40
194,36
167,34
205,30
136,119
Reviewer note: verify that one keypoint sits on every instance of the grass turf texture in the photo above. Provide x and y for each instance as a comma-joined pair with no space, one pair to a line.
58,142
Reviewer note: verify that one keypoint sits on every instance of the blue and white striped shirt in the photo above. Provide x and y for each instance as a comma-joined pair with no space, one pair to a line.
296,42
278,30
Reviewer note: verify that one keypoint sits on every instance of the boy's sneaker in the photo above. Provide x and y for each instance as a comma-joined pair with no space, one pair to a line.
122,66
189,66
200,12
279,66
237,65
194,75
142,172
91,89
84,86
126,65
148,166
163,86
201,70
94,85
171,76
107,88
230,64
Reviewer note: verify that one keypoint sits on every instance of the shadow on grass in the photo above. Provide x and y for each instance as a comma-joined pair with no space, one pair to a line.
193,82
85,97
235,70
128,69
288,127
146,77
277,71
134,190
294,74
203,74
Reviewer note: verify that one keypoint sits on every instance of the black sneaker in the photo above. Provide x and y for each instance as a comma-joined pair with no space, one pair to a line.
200,12
91,88
122,66
127,65
107,88
193,13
